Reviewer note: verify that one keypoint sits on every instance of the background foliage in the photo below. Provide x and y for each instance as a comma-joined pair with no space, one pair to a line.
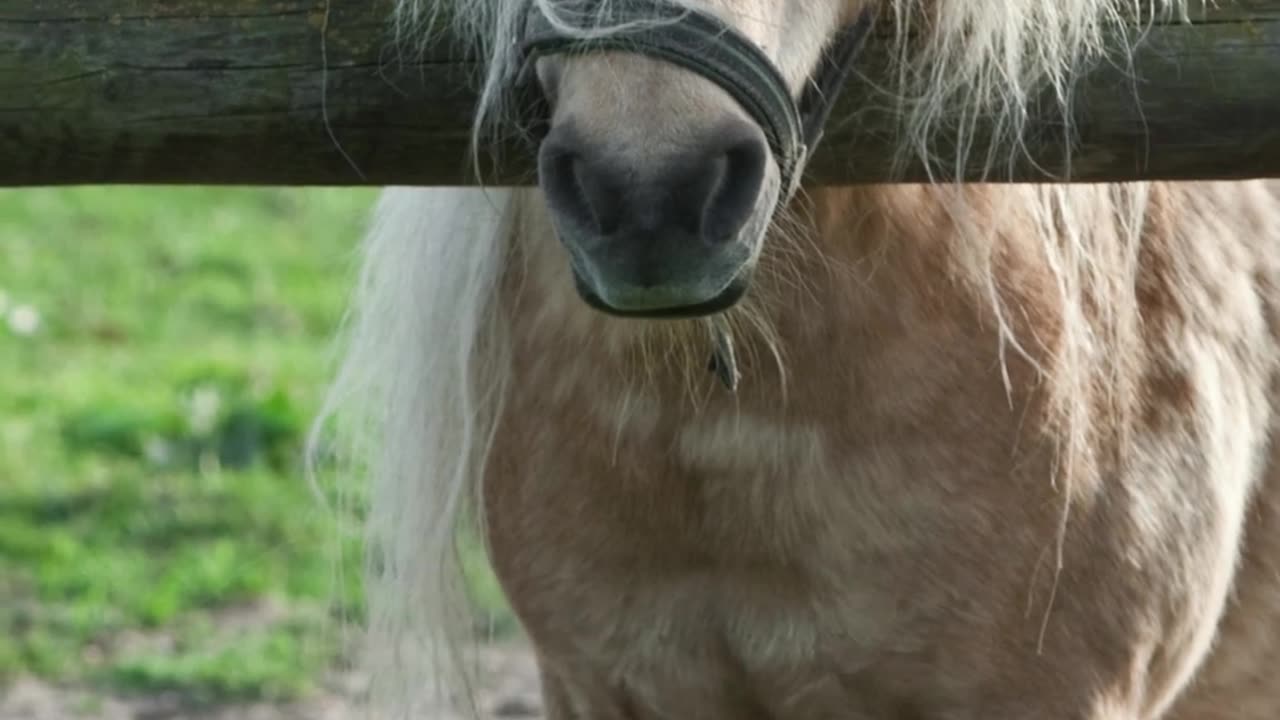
162,352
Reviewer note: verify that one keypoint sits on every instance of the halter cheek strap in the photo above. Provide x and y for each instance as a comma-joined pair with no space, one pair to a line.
831,77
706,45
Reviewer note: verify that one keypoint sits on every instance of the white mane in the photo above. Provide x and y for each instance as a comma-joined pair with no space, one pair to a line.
424,370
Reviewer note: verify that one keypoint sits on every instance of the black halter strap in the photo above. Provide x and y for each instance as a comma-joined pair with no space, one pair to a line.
704,44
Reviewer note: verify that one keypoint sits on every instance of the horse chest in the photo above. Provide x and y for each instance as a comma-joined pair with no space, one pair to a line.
734,550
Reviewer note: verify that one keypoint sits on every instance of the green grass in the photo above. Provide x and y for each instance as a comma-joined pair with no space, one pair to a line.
156,530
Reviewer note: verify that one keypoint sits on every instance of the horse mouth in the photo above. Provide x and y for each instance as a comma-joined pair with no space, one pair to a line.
728,297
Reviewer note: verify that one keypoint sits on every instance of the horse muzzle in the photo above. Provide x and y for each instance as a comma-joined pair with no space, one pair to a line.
677,236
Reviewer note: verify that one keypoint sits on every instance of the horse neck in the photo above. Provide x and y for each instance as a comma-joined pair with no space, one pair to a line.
864,269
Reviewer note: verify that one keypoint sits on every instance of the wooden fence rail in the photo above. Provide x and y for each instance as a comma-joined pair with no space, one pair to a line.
239,91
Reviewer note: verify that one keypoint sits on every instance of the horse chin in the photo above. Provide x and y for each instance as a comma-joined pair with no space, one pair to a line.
727,298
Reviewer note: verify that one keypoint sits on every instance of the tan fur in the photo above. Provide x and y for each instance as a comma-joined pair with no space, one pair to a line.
1000,451
879,544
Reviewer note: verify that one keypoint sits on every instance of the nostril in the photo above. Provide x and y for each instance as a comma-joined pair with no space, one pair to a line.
577,192
603,203
741,171
603,196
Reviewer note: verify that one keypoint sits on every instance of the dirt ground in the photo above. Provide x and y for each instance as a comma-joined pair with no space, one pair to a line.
509,691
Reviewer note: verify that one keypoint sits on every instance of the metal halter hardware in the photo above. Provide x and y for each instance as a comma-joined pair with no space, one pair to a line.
706,45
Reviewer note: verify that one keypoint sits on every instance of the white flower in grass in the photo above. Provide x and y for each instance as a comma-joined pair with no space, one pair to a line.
24,320
205,404
157,450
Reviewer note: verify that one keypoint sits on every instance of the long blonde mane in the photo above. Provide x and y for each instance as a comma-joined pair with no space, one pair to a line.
425,365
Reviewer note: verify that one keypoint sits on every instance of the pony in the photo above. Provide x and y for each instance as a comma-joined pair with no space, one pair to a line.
996,450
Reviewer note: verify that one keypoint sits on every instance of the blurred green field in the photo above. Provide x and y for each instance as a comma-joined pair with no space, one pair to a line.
162,352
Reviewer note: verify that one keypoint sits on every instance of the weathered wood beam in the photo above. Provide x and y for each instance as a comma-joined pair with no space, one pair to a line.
312,92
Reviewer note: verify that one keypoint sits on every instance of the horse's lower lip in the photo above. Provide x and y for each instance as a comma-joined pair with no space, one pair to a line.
727,298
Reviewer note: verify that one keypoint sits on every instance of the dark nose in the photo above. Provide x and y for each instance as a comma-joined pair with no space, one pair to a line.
656,231
708,193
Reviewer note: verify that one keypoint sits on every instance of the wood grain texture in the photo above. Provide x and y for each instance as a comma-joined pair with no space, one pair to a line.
313,92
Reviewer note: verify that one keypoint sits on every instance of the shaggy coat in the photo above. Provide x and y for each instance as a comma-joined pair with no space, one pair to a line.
999,451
